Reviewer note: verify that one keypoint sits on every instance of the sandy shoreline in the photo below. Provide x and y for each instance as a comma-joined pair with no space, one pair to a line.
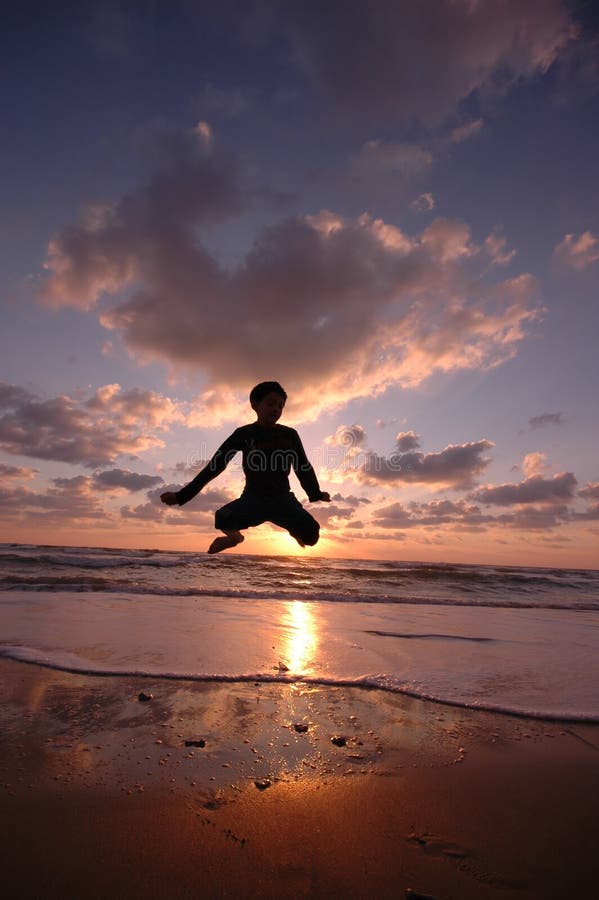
102,798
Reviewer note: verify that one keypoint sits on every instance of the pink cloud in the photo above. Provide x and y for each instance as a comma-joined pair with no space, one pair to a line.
546,419
17,473
591,490
435,513
347,436
69,500
407,440
198,513
578,252
394,64
118,480
386,165
456,466
369,305
423,203
467,130
93,432
115,245
495,247
534,464
534,489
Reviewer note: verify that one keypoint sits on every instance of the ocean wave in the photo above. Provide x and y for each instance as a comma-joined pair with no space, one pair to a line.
476,577
189,574
126,588
433,637
91,557
56,582
381,682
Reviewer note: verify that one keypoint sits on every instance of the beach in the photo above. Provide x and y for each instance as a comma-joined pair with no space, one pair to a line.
178,725
103,794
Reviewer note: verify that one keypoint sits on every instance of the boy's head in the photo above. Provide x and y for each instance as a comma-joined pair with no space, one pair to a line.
259,392
267,400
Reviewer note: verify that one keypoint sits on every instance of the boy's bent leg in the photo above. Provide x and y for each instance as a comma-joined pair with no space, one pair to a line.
288,513
230,539
231,518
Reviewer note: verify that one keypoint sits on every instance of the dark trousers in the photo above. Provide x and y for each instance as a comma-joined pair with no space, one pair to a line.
283,510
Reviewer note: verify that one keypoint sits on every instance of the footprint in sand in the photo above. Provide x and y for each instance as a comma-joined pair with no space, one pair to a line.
436,846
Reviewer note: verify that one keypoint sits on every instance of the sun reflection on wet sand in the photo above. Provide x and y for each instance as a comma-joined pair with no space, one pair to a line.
301,637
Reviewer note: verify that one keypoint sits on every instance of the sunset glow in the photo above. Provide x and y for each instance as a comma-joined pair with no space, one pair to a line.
198,201
302,637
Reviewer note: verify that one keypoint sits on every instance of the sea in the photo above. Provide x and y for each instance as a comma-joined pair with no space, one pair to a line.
514,640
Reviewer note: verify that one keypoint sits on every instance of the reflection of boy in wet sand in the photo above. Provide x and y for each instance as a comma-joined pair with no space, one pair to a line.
269,451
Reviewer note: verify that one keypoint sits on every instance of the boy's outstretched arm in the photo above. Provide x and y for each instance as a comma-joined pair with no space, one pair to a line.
214,467
307,476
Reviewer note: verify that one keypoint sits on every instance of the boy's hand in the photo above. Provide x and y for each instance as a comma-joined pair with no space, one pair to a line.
170,498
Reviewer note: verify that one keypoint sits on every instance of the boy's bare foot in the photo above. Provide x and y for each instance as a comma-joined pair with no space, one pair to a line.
223,543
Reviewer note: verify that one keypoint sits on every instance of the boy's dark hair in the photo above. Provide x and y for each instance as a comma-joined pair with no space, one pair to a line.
259,392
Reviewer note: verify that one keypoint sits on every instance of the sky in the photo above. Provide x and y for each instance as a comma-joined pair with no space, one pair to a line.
391,208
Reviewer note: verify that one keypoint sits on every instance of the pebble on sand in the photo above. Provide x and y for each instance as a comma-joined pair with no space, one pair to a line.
196,743
145,697
339,741
263,783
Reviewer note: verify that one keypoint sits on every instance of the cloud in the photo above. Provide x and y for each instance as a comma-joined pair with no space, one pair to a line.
578,252
116,245
464,516
351,500
134,406
545,419
332,514
347,436
214,406
384,163
369,305
534,464
393,63
123,479
590,514
534,489
70,500
495,247
77,500
590,490
434,513
535,518
93,432
407,440
393,516
456,466
423,203
384,423
467,130
17,473
198,511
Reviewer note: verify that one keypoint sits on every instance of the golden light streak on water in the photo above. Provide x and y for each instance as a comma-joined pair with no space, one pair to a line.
301,637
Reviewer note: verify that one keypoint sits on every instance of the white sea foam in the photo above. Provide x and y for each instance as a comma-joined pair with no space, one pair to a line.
532,662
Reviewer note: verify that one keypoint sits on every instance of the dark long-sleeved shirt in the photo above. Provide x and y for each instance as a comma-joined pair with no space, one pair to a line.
269,454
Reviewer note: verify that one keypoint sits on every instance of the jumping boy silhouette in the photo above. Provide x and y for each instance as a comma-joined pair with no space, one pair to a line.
269,451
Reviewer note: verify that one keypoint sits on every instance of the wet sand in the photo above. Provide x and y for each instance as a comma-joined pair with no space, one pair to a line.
101,796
